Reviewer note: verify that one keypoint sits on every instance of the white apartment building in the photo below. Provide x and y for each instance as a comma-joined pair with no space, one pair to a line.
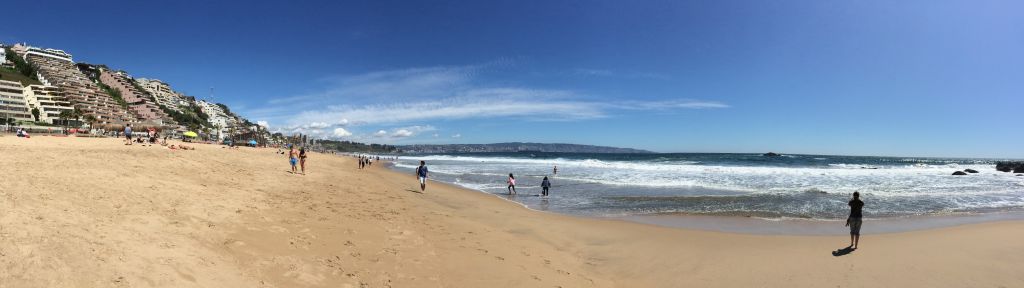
217,117
12,102
49,100
163,93
3,59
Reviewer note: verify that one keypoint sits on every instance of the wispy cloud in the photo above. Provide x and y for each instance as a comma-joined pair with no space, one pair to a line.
621,74
420,95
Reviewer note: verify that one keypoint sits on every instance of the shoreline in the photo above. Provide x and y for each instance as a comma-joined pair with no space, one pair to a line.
90,212
745,224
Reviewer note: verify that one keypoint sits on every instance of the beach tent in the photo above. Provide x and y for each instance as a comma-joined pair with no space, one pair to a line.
252,142
190,134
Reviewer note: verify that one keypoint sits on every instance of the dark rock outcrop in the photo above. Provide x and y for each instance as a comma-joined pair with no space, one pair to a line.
959,173
771,154
1010,166
970,171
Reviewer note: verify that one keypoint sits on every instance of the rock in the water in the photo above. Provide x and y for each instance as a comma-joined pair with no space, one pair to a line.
1007,166
771,154
970,171
959,173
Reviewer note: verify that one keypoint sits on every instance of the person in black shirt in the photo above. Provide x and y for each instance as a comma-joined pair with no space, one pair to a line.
854,220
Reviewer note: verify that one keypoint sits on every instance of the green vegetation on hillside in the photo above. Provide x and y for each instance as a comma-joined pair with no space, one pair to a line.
190,116
13,75
114,93
349,146
23,67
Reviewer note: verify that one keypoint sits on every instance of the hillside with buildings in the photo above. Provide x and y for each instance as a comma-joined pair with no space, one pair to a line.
46,87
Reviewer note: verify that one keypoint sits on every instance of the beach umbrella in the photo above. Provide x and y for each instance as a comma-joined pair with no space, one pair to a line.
190,134
252,142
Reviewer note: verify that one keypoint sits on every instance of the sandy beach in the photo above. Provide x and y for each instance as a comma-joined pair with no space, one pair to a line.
90,212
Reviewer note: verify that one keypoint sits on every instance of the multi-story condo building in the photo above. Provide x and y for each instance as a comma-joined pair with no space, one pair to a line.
12,102
217,117
139,102
3,58
163,93
49,100
56,68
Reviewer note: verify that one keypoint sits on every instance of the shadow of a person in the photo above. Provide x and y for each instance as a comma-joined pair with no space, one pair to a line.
844,251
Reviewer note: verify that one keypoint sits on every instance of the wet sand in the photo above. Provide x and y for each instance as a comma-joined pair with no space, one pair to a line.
790,226
80,212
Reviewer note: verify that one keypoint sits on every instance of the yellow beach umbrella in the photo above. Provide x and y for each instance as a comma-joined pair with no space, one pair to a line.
190,134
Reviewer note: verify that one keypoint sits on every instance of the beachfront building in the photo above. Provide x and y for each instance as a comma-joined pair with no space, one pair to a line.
12,102
139,102
162,93
49,100
217,117
3,58
56,68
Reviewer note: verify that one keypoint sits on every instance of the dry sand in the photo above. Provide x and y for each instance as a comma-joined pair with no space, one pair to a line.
80,212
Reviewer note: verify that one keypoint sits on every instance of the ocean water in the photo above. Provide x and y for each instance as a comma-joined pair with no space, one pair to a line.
790,186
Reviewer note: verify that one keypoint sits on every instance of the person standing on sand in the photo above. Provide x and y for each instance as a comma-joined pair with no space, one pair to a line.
302,159
421,174
511,184
854,220
128,134
544,186
292,158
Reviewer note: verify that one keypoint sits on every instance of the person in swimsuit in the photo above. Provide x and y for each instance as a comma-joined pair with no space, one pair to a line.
293,158
302,159
854,220
421,174
544,186
511,184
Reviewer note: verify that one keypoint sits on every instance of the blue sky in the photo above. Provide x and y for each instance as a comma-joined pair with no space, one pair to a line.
910,78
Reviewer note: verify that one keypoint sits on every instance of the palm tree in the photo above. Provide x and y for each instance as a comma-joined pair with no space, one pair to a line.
77,114
65,115
91,120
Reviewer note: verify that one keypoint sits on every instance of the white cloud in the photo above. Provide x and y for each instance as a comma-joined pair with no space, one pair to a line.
402,133
318,125
263,124
341,132
457,136
669,104
417,95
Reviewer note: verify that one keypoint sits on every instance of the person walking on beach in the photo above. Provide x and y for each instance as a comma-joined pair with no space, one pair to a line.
128,134
854,220
511,184
544,186
302,159
292,158
554,171
421,174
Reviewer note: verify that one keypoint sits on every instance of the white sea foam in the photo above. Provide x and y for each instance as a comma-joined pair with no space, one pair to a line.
904,180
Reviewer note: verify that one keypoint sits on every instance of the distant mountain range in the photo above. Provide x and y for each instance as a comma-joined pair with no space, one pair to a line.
515,147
